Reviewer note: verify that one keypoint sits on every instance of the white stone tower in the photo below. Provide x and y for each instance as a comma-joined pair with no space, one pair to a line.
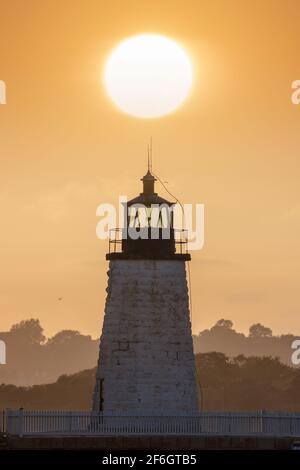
146,362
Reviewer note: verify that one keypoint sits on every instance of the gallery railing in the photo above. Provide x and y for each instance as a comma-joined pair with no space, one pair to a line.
116,237
28,423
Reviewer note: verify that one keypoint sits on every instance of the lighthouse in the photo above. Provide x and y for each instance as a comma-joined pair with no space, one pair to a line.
146,361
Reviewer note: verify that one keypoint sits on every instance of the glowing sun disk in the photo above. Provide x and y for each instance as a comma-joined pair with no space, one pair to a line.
148,76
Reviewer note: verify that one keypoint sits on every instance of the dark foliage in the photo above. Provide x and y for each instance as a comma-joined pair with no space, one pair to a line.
239,384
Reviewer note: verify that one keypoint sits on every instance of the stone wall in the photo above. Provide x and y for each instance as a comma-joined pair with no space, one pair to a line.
146,362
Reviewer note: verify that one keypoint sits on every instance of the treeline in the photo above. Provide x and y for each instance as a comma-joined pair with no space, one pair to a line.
260,341
31,358
34,359
238,384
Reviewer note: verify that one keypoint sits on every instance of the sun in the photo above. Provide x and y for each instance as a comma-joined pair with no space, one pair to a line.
148,76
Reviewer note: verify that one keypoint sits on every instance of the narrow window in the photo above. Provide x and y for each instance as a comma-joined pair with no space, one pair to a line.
101,397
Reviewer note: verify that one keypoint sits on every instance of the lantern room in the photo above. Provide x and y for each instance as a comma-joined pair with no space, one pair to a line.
148,232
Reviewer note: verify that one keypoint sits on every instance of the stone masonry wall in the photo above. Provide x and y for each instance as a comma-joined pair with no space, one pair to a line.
146,361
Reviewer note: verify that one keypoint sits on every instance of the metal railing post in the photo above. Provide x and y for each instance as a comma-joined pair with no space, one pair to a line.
7,424
70,421
21,422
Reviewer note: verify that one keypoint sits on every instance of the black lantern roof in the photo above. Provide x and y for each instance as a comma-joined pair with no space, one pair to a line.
148,196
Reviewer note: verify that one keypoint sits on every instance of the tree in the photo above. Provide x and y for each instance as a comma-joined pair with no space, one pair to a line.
240,360
64,337
259,331
29,331
224,324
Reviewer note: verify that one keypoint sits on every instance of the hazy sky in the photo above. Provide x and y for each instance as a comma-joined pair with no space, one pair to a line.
234,146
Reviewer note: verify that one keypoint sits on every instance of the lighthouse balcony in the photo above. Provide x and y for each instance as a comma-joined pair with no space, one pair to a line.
148,243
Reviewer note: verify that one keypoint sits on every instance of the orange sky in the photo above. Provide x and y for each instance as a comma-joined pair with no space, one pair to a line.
234,145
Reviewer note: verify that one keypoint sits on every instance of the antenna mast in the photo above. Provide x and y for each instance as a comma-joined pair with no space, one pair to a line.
150,155
149,166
